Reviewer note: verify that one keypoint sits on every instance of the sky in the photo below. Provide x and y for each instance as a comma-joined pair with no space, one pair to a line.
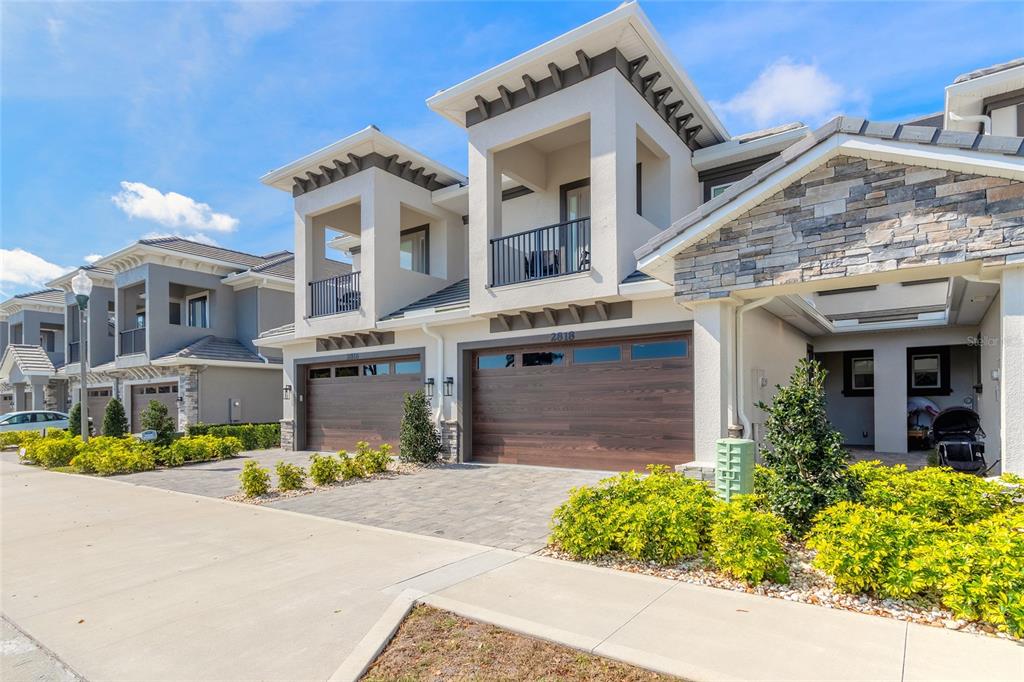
123,120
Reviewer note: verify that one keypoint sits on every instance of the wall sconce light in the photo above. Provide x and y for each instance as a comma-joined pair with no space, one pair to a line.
287,391
449,386
428,387
179,399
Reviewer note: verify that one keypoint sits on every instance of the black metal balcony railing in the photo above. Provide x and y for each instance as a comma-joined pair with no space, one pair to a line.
334,295
133,341
552,251
74,351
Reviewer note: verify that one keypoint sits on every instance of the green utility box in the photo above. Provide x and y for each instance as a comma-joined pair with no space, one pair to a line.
734,467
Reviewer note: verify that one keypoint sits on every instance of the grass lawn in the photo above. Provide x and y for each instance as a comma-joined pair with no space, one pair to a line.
437,645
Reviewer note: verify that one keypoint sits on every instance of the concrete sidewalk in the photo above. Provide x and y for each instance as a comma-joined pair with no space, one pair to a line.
129,582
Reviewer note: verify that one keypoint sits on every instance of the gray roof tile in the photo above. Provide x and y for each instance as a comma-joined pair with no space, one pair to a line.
42,296
29,359
279,331
453,295
995,68
192,248
922,134
956,138
881,129
216,348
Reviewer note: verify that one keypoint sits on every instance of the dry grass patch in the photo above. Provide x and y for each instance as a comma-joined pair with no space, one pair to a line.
437,645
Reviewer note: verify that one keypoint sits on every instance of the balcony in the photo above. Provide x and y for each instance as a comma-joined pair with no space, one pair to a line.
541,253
133,341
334,295
74,351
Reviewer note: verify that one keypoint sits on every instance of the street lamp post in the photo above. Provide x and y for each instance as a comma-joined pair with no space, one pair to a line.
81,285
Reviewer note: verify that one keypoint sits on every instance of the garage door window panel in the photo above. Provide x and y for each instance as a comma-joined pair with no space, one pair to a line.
496,361
320,373
346,371
379,369
659,350
597,354
543,358
408,367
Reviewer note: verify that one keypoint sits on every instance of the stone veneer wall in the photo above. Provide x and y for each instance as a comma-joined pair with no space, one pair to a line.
287,434
188,394
855,216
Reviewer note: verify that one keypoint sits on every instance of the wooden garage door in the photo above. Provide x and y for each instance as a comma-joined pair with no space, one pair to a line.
617,404
162,393
98,399
347,402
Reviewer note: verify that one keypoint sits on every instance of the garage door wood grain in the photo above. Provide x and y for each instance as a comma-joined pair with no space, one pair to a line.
613,415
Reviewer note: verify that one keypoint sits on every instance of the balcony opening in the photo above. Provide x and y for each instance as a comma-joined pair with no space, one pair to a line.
132,334
653,200
334,260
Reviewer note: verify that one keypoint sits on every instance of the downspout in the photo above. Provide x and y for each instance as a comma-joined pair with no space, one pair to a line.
985,121
439,379
747,428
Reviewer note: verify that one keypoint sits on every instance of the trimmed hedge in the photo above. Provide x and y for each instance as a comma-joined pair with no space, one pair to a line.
109,455
252,436
199,449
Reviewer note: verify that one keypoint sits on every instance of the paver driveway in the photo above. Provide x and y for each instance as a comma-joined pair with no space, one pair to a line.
502,506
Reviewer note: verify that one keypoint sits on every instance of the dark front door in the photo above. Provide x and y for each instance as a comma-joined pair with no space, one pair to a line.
347,402
618,404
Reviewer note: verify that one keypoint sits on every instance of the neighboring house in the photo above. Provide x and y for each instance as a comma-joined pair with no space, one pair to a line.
619,281
32,351
173,320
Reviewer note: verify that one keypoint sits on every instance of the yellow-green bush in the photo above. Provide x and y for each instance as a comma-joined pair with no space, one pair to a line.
747,543
199,449
661,517
109,455
290,476
373,461
255,479
324,469
57,449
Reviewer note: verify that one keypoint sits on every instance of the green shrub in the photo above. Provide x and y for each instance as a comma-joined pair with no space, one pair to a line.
75,419
22,438
372,461
115,422
252,436
806,453
350,467
156,418
324,469
107,455
661,517
57,449
870,549
747,544
935,494
979,570
255,479
290,476
418,439
198,449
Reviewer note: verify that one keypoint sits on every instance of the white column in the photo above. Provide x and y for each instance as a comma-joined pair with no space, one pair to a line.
19,397
713,353
38,402
1011,370
890,397
484,215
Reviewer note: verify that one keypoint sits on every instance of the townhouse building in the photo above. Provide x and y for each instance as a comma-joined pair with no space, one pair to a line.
619,281
173,320
32,351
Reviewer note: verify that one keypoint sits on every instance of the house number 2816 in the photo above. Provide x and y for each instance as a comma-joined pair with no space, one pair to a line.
563,336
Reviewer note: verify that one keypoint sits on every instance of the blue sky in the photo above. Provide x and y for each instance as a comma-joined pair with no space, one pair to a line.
126,119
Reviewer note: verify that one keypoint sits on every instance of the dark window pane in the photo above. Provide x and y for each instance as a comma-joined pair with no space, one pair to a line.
582,356
377,370
320,373
174,312
165,389
659,349
351,371
407,367
499,361
543,358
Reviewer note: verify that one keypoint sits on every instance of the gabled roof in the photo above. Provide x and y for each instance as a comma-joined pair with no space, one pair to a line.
995,68
927,146
452,296
283,330
192,248
30,360
212,349
97,274
42,296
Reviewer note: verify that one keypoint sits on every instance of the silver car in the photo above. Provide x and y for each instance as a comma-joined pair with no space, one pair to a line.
33,420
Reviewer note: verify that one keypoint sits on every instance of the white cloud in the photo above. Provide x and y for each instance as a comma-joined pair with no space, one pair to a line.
174,210
787,91
92,258
196,237
21,268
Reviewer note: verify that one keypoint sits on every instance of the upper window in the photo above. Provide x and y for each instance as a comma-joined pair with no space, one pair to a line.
543,358
498,361
862,373
925,372
414,249
199,311
174,312
48,340
575,200
720,189
654,350
584,356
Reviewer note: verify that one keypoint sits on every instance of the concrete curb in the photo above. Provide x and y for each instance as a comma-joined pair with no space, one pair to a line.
374,641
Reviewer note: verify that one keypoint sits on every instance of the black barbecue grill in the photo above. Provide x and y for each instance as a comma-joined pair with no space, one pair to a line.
958,438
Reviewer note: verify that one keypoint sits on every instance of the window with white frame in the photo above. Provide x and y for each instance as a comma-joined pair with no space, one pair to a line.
720,189
862,374
198,310
925,371
414,249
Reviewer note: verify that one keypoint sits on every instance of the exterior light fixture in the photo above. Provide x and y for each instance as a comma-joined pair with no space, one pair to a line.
287,391
449,386
81,286
428,387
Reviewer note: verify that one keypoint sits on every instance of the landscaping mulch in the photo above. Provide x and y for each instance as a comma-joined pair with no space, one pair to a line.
395,469
432,644
807,585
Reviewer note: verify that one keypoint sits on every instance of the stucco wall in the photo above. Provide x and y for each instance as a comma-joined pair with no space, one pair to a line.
259,391
771,349
991,388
